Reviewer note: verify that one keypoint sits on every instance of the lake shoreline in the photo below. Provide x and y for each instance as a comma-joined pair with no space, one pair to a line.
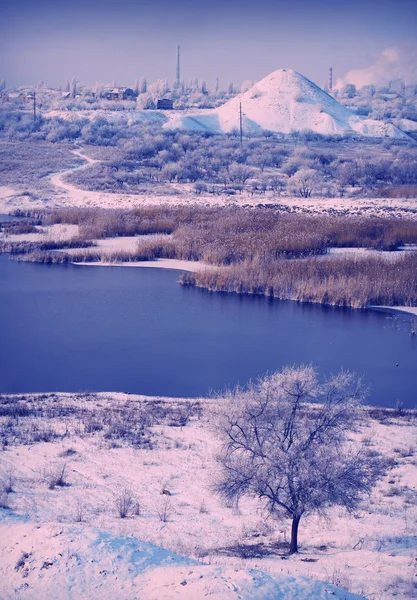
409,310
194,267
171,264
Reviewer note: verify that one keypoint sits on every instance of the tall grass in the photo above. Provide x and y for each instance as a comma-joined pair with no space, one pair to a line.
224,235
102,223
341,281
37,248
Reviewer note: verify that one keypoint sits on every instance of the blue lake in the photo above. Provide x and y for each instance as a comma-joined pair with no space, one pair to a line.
74,328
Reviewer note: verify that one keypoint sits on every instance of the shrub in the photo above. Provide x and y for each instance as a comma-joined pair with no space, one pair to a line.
164,508
125,503
4,500
80,510
20,563
7,482
55,476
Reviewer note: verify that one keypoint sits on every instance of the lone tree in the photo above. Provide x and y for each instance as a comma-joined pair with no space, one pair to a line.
286,442
303,182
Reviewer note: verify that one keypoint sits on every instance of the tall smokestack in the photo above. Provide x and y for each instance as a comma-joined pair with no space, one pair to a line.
330,79
178,76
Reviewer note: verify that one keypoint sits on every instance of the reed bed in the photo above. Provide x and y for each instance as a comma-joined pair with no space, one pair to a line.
337,281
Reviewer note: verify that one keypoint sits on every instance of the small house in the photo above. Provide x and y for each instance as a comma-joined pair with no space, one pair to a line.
19,96
165,104
120,94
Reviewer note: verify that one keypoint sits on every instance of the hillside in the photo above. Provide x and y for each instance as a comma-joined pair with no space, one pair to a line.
283,102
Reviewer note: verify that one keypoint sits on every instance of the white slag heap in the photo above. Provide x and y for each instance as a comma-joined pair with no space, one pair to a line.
283,102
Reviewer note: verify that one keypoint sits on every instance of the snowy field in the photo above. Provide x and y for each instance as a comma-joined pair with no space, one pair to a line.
67,461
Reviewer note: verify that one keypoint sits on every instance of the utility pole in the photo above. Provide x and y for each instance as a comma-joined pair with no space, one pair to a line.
178,75
34,105
330,86
241,123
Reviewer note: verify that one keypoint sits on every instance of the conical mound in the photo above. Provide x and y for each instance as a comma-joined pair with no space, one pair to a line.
285,101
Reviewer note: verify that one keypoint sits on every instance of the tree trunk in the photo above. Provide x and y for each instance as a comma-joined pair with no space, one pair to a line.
294,535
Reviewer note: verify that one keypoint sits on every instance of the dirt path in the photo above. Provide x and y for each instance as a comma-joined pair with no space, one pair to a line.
57,179
70,194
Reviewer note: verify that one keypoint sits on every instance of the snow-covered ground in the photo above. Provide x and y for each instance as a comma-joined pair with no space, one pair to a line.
68,195
370,252
69,542
160,263
80,562
406,124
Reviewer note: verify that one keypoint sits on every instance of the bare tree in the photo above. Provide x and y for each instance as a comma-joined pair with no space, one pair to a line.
285,442
239,173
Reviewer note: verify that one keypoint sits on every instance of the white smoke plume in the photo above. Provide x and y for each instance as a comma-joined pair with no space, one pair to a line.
393,63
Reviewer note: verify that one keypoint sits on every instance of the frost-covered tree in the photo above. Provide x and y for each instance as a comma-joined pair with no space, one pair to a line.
246,85
143,85
239,173
98,89
261,159
349,173
171,171
303,182
286,442
73,87
159,88
349,91
145,101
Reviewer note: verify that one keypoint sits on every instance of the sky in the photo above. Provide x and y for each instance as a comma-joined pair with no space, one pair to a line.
123,40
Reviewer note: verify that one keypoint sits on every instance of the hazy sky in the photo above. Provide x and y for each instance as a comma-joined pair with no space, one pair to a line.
122,40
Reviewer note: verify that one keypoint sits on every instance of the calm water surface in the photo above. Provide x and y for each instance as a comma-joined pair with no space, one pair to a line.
5,217
75,328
